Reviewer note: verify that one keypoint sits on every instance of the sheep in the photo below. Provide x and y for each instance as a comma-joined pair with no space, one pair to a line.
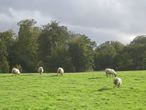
60,71
15,71
109,71
117,82
40,70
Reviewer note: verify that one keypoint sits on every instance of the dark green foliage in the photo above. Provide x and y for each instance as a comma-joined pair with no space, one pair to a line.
6,40
52,46
81,52
60,58
105,55
133,55
4,65
26,46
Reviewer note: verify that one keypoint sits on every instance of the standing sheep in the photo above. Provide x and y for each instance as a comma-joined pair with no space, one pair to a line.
60,71
117,82
40,70
15,71
109,71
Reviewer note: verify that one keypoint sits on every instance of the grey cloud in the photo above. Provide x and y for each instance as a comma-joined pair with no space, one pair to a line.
101,20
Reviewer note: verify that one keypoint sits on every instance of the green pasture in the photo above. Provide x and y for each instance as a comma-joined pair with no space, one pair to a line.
73,91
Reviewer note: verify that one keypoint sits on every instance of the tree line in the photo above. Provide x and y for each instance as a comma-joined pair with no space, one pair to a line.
53,46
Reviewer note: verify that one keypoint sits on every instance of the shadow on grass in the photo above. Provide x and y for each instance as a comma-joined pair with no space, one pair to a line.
104,89
94,78
6,75
29,74
54,75
41,75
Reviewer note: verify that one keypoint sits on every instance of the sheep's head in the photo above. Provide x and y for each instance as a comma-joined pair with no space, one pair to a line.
115,75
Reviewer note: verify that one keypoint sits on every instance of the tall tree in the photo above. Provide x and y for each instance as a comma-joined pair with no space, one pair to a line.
6,39
105,55
133,55
26,45
82,53
53,45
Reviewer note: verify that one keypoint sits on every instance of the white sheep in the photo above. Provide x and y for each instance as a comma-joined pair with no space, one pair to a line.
15,71
110,71
60,71
117,82
40,70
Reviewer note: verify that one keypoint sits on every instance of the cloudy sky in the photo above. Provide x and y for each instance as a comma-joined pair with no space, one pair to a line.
101,20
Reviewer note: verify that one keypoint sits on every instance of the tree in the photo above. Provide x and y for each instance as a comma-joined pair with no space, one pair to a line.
6,39
53,46
138,47
144,60
60,57
82,53
26,46
105,55
133,55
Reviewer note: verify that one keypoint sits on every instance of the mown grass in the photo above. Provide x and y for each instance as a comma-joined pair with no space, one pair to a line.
83,91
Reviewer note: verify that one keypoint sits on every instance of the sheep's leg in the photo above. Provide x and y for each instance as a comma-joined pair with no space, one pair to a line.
106,75
115,75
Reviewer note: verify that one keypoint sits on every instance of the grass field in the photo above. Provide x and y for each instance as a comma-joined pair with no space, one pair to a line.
84,91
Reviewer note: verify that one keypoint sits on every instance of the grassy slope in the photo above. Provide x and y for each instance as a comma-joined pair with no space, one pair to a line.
84,91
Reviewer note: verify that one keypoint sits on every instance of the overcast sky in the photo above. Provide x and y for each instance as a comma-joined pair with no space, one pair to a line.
101,20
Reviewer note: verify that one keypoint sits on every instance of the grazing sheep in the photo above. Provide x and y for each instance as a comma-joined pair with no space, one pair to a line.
60,71
15,71
109,71
117,82
40,70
